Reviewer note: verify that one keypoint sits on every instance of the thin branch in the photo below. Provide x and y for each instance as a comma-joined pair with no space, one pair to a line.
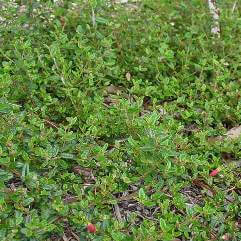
215,12
50,123
93,17
234,6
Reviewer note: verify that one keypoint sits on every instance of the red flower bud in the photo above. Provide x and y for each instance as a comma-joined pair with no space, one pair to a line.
91,228
214,172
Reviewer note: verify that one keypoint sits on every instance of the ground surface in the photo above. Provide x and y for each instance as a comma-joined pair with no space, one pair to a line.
124,115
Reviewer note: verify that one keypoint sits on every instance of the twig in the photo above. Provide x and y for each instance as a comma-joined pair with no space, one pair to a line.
117,213
156,209
93,17
146,217
75,235
51,124
234,6
214,10
56,65
65,238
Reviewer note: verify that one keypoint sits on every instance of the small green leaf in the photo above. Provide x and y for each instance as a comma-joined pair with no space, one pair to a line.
5,108
163,224
19,217
27,201
4,160
101,20
79,29
142,195
5,175
67,156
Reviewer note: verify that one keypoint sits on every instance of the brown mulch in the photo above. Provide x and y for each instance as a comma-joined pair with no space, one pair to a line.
129,209
68,235
193,195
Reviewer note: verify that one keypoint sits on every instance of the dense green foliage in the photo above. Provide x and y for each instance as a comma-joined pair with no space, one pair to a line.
92,112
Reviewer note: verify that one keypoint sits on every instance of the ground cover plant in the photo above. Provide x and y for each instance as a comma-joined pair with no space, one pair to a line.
119,121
